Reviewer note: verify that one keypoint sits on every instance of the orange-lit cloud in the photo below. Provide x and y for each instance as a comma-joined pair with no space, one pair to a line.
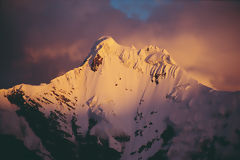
72,51
202,37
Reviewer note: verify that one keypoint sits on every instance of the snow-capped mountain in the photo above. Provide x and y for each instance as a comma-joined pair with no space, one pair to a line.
121,103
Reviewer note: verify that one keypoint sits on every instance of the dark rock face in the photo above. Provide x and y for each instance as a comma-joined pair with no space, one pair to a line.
11,149
96,62
54,139
155,77
48,129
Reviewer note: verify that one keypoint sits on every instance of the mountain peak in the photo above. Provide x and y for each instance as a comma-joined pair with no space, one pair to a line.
104,41
106,53
106,45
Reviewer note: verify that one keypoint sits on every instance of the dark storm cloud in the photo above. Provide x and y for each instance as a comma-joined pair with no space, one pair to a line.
42,39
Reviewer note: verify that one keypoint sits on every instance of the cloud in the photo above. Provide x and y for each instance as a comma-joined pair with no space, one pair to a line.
42,39
203,36
72,50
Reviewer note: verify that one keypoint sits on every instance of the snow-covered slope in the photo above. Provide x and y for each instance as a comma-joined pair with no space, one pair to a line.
123,103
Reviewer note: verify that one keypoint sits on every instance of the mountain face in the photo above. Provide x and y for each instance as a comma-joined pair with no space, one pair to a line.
122,103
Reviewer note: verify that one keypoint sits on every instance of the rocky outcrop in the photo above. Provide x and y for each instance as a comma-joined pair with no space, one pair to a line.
96,62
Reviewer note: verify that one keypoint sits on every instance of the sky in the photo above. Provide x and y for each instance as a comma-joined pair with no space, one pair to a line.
42,39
